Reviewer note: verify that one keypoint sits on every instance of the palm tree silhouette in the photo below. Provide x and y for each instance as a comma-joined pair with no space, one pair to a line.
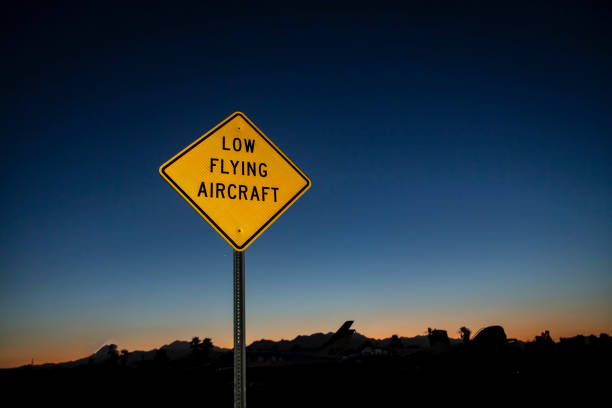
465,334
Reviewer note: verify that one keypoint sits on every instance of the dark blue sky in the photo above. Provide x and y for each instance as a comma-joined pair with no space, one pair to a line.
459,158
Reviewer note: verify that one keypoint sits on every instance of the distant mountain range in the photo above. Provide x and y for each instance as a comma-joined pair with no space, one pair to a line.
179,349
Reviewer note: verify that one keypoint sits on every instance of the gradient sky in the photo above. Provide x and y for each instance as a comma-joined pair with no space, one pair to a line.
459,158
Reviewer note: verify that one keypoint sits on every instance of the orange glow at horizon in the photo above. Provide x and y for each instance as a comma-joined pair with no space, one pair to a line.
61,350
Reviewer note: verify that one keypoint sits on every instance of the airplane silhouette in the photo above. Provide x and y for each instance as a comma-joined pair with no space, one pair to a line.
331,350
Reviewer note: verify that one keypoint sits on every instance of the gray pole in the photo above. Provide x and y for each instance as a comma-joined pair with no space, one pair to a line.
239,347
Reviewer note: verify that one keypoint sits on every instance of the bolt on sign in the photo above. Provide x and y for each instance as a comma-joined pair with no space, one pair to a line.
237,179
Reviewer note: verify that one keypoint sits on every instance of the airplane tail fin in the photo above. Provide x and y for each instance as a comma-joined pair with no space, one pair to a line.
337,343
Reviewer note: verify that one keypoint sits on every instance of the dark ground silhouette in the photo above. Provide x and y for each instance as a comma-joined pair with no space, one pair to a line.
373,374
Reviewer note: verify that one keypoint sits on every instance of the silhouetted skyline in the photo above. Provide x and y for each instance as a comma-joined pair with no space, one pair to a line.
345,344
332,369
459,158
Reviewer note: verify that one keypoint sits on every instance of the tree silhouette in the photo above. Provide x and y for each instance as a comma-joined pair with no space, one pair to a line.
113,354
195,345
124,356
544,338
206,347
396,342
207,344
465,334
161,357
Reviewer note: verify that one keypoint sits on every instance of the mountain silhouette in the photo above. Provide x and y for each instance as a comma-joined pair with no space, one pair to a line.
357,344
310,371
180,349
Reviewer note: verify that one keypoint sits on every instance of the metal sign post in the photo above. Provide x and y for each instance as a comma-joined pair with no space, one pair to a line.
239,343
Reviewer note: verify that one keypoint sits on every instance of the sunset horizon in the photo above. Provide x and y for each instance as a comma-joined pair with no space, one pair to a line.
80,350
240,171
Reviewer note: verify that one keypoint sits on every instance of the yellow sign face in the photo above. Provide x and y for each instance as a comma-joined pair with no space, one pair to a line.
237,179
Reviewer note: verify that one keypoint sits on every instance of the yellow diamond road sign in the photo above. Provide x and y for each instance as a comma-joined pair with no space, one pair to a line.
237,179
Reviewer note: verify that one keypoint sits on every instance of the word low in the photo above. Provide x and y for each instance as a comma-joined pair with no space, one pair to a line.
224,166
